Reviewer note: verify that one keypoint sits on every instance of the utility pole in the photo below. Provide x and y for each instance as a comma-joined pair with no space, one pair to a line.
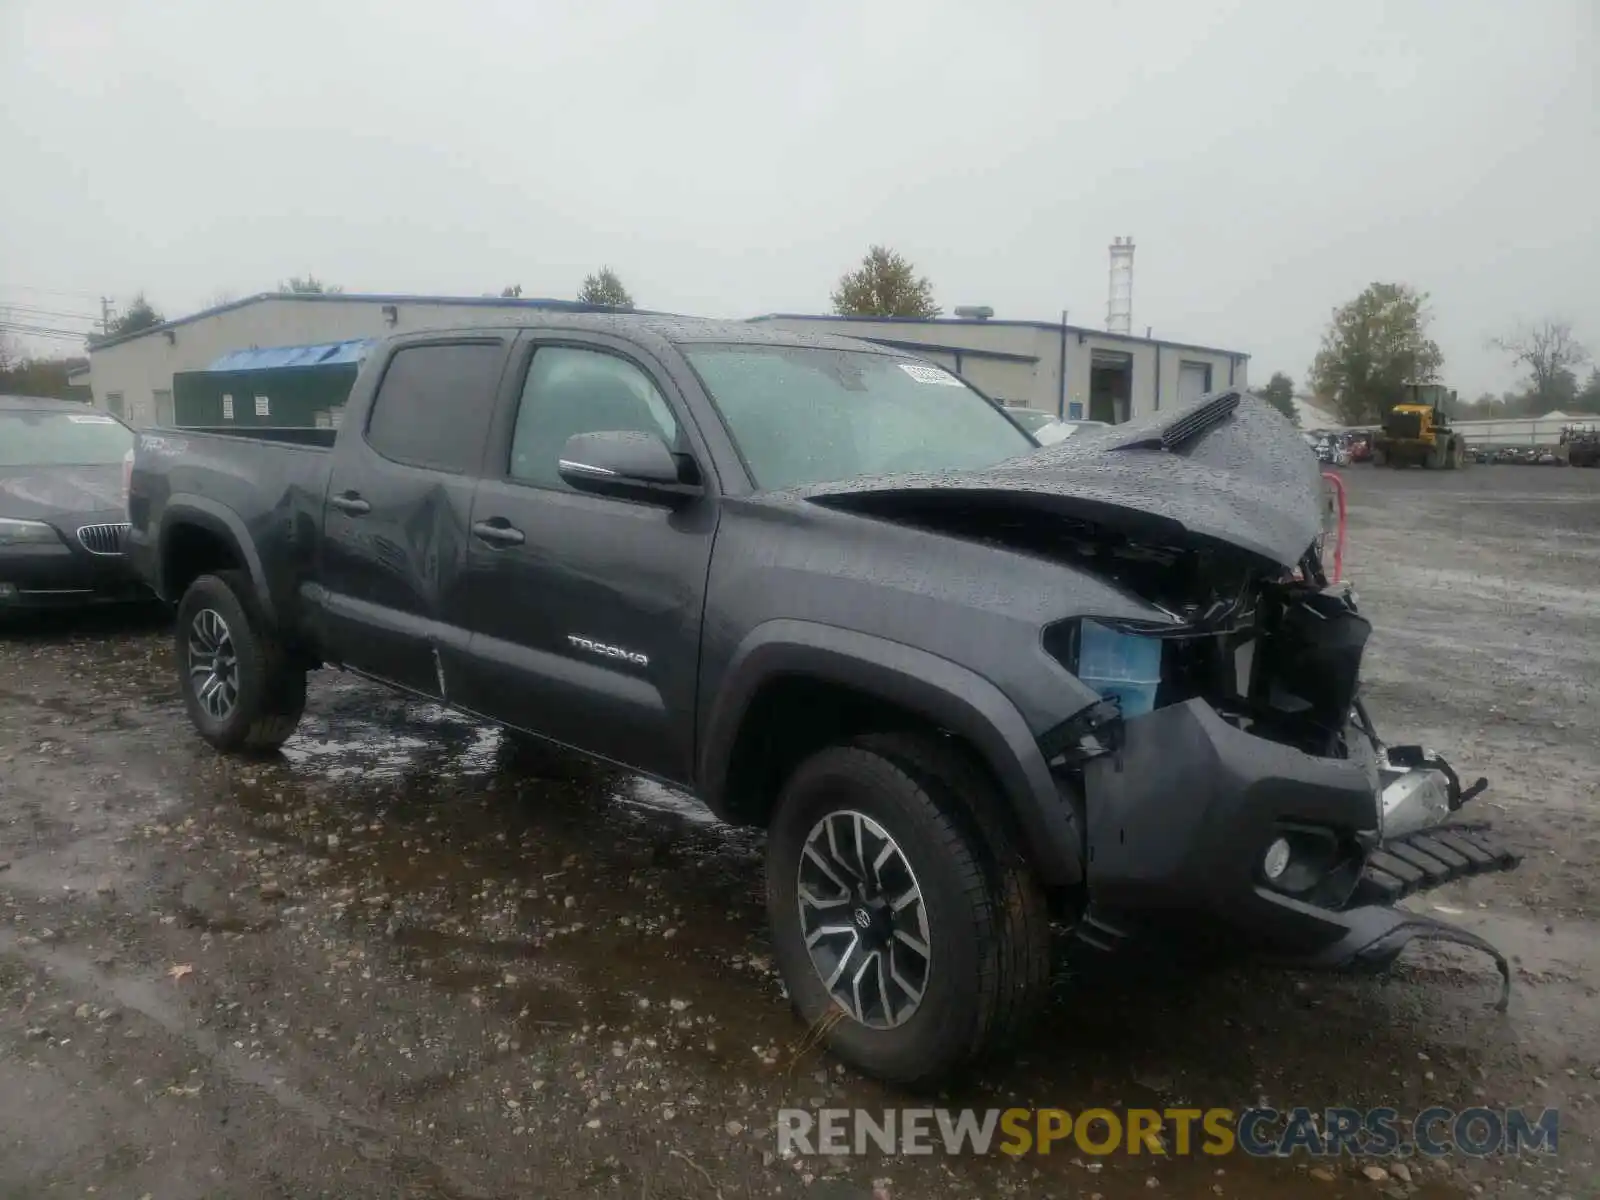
105,315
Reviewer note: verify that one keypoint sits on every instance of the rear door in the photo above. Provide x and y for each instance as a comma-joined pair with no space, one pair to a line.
398,506
585,610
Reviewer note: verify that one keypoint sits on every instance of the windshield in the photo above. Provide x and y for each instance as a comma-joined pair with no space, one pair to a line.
58,439
801,415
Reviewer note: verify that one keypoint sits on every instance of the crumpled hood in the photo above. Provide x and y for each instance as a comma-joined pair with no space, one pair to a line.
1227,469
39,493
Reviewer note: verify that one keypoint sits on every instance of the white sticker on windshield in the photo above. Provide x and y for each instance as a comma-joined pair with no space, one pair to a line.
78,419
923,373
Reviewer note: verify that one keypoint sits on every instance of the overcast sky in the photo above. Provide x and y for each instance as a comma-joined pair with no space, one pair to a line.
731,157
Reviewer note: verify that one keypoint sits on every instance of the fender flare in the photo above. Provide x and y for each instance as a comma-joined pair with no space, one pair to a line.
945,693
184,508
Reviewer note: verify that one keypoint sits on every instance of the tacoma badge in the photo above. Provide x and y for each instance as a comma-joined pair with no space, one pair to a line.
600,648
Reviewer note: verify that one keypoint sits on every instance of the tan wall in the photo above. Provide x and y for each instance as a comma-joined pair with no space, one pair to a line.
1173,358
1038,382
974,335
140,368
1032,382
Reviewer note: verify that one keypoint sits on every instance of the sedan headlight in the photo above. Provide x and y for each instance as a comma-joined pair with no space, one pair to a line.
27,533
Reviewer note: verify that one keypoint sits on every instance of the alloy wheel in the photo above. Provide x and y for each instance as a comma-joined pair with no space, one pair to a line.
213,664
864,920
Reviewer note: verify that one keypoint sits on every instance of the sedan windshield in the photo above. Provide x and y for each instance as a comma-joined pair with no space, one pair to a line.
804,415
58,439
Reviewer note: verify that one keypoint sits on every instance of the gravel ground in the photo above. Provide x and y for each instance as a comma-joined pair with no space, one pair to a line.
406,960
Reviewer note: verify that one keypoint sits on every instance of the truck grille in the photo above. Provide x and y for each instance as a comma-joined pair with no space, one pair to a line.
103,539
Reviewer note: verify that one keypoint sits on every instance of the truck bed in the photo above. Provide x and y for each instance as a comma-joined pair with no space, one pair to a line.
267,492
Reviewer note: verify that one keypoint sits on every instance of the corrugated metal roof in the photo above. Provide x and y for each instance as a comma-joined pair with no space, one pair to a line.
269,358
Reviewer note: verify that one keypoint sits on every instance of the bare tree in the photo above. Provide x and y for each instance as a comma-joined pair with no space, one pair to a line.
1550,353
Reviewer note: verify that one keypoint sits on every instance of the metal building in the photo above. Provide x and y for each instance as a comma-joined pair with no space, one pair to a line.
1068,370
132,376
1050,366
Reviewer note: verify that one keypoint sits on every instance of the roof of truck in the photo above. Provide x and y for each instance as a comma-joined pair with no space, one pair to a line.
506,310
677,331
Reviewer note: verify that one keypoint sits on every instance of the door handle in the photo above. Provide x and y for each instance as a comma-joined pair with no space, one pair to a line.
350,503
498,533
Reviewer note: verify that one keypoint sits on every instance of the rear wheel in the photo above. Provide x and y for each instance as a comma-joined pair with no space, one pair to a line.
241,689
911,935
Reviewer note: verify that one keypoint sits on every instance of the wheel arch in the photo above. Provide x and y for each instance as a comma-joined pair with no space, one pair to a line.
837,681
199,536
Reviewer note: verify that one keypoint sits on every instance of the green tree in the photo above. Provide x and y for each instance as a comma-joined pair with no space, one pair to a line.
512,292
1374,346
140,315
1588,398
308,285
884,285
40,377
1279,392
1552,355
603,287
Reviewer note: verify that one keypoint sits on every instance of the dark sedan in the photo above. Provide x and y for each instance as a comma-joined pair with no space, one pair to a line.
63,515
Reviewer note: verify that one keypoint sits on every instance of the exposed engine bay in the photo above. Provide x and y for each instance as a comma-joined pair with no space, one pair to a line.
1231,774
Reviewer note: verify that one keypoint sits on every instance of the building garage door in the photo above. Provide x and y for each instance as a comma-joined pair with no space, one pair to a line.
1194,381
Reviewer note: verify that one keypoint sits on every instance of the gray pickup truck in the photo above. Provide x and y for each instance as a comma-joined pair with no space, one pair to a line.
977,690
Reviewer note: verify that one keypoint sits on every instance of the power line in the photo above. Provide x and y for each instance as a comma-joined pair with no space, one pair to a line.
68,335
29,310
18,287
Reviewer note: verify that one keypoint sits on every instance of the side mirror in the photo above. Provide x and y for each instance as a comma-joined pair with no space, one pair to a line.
628,465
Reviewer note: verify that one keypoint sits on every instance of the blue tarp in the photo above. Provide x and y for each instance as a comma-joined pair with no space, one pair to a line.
271,357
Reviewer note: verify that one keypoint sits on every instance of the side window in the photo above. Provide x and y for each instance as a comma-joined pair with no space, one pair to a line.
434,404
571,391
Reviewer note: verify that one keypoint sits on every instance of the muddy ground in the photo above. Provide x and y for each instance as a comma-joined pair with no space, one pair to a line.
403,960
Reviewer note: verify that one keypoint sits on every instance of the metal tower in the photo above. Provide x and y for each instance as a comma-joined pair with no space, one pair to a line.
1119,305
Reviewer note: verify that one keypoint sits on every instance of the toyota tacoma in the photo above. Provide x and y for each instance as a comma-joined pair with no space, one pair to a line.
977,690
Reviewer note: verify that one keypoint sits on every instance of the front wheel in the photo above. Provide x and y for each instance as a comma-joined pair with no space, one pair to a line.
241,690
910,934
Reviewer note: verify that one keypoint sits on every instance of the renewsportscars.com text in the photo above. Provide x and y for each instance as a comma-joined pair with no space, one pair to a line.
1257,1132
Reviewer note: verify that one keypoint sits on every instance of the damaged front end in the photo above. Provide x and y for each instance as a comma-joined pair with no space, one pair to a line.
1255,807
1231,786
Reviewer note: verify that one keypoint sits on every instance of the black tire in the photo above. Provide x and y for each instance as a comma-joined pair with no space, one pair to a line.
270,691
987,918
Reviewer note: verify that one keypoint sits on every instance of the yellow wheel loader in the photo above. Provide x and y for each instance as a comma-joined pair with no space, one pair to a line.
1416,432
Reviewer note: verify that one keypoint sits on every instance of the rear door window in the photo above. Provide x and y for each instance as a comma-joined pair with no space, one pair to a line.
434,405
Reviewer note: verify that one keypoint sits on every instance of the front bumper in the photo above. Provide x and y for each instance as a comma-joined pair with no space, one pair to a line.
62,576
1180,818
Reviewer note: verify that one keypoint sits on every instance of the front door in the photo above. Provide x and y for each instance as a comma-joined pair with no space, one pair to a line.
397,507
585,610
